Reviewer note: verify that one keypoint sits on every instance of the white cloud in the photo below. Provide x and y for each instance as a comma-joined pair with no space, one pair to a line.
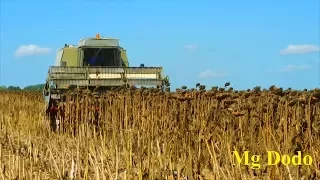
291,68
212,74
299,49
30,50
191,47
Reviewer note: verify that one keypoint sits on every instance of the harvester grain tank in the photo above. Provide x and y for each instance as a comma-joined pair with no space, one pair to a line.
97,64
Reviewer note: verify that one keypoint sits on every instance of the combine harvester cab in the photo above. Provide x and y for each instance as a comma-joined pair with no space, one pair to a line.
97,64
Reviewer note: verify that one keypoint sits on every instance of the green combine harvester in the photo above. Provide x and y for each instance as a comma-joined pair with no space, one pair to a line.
98,64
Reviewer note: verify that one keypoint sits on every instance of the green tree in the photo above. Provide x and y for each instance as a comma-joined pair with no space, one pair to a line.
37,87
3,87
14,88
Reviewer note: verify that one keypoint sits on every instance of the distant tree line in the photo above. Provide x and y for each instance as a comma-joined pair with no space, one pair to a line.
37,87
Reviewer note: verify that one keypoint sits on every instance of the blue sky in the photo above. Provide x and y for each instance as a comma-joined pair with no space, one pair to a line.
247,43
